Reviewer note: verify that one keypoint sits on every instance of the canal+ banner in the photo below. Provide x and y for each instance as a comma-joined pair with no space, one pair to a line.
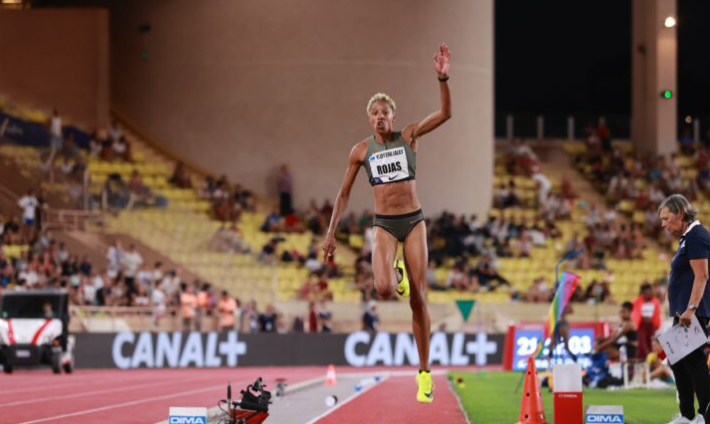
127,350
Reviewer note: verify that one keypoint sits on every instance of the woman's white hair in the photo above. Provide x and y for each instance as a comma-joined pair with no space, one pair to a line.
381,96
677,203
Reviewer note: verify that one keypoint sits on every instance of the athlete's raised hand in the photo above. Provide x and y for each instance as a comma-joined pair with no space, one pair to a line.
328,247
442,61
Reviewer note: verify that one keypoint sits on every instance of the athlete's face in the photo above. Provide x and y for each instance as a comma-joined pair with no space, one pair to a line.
381,117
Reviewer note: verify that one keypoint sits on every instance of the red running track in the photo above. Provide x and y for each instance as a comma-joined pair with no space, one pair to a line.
124,397
394,402
144,396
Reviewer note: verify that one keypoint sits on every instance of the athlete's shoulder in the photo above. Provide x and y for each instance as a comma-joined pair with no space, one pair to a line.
359,150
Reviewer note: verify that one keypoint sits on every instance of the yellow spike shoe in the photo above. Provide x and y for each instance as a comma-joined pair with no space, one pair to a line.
403,285
426,387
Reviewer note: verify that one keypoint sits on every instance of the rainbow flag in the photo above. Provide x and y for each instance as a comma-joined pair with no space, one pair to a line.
566,287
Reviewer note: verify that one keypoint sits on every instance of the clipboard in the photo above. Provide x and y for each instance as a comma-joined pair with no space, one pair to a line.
678,342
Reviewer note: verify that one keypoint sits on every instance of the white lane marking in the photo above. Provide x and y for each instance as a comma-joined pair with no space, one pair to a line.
91,393
458,400
348,400
40,385
121,405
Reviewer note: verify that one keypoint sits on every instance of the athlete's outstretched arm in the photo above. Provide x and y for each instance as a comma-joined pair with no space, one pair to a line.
442,61
341,200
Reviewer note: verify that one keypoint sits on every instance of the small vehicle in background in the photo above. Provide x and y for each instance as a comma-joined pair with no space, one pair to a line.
34,330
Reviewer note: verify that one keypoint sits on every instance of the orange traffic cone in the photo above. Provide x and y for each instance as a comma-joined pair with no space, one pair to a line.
531,409
330,376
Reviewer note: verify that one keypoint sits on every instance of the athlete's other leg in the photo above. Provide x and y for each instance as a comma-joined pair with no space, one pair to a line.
416,259
383,251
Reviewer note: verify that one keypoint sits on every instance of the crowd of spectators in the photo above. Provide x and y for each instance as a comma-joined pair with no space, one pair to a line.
644,181
228,200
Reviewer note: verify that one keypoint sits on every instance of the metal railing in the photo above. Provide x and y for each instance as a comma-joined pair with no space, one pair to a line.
573,127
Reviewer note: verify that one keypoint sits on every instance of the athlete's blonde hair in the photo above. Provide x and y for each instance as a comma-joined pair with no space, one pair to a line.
381,96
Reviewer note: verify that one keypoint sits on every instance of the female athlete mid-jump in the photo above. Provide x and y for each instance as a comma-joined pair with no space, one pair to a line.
389,158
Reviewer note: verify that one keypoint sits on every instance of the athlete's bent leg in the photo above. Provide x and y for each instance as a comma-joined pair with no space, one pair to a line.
383,251
416,261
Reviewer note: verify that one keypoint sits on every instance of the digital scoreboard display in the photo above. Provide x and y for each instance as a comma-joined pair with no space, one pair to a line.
522,342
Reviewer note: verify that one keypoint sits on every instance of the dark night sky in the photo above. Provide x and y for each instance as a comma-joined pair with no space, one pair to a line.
562,57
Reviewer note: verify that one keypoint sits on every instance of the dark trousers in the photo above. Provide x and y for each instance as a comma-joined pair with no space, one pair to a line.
645,332
692,379
284,204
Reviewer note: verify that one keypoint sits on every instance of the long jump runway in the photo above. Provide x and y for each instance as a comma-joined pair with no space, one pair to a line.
144,396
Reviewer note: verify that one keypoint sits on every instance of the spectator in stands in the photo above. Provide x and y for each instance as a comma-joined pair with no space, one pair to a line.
85,266
309,289
325,317
140,297
29,203
141,194
313,218
12,231
604,135
543,183
180,178
686,142
94,146
157,272
114,132
171,286
6,270
55,137
188,306
458,278
131,262
647,317
88,290
525,245
228,240
122,150
158,301
268,252
267,320
208,187
597,293
539,291
226,308
250,318
204,304
298,326
370,319
487,272
225,210
116,194
285,188
113,256
364,280
144,276
313,318
237,313
273,222
431,278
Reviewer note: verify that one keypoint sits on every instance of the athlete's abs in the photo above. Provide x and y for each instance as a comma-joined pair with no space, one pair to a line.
396,199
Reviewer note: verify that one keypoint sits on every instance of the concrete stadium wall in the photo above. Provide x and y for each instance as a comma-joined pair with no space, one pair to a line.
57,58
241,86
